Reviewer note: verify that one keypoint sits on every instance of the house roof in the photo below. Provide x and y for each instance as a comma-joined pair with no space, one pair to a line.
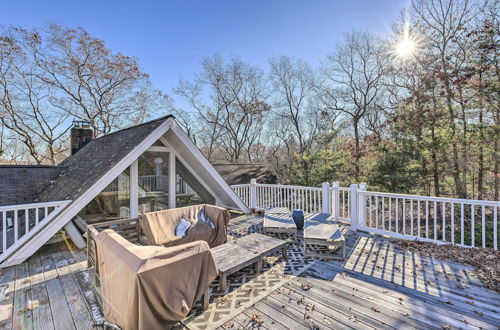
20,184
83,169
243,173
93,167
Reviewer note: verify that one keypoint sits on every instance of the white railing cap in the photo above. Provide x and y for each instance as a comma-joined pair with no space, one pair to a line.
433,199
33,205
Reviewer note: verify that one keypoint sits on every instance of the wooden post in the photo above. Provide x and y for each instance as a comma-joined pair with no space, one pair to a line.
336,199
353,199
325,200
253,194
361,205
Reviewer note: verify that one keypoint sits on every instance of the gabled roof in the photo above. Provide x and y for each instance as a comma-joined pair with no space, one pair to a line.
243,173
83,169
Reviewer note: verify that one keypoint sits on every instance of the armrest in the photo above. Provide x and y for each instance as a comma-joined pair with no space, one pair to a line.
218,214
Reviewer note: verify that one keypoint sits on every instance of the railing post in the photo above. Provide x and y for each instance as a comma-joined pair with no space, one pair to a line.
353,191
336,199
253,194
361,210
325,198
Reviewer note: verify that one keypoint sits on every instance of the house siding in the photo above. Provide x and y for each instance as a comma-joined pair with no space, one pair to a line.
20,184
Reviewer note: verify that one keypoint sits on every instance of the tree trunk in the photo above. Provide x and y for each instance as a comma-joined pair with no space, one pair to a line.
356,150
435,166
480,175
456,166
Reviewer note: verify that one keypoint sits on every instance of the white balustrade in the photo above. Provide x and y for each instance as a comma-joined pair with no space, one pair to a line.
20,222
466,222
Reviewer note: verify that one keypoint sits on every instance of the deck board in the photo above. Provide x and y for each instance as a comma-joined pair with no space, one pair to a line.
7,289
378,286
76,302
61,312
42,315
22,314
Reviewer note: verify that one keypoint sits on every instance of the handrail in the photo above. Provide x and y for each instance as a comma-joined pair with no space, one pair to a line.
432,199
288,186
32,205
437,219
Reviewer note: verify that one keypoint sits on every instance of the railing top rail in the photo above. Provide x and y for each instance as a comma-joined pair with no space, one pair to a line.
288,186
240,185
432,199
340,188
33,205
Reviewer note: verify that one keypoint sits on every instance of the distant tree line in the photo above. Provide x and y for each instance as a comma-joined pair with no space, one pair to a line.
415,112
427,122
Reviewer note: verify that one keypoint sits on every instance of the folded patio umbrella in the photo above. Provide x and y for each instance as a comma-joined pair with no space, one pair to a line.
151,287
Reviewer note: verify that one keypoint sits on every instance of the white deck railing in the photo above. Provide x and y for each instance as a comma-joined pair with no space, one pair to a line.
243,191
20,222
466,222
264,196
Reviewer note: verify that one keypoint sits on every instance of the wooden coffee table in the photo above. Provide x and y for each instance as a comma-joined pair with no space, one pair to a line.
239,253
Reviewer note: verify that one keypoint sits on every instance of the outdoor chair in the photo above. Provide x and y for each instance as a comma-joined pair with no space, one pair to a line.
151,287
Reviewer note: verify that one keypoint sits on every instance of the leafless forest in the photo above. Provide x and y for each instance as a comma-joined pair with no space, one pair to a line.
415,111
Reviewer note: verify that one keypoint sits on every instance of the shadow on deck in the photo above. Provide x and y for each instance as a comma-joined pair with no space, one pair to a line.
377,286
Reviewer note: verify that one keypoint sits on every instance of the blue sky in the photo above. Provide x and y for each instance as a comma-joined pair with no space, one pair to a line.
170,37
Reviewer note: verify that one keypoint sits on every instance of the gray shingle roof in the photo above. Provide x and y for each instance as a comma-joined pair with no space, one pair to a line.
243,173
83,169
20,184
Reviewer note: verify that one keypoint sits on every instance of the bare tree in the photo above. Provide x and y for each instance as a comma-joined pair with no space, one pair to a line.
353,82
87,80
440,22
292,83
24,105
50,74
235,107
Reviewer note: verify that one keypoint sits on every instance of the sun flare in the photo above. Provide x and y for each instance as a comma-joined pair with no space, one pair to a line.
405,48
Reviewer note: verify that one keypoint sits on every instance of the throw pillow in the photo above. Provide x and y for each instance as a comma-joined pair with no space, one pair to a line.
182,227
204,218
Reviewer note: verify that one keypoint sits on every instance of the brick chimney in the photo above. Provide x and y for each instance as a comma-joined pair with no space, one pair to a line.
81,134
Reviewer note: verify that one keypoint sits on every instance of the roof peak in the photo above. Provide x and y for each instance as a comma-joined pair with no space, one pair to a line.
134,126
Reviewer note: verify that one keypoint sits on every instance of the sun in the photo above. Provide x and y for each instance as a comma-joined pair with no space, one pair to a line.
405,48
407,43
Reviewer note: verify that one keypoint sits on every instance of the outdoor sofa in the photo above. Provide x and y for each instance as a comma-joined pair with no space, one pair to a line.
159,227
146,249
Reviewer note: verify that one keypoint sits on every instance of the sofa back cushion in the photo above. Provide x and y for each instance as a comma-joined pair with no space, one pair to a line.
159,227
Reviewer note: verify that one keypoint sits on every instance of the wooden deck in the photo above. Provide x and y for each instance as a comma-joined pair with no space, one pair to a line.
378,286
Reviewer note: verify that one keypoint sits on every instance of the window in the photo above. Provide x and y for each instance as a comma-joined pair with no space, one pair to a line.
153,181
112,203
189,191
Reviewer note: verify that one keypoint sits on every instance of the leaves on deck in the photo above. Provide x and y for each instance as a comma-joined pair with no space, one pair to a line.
257,319
486,261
